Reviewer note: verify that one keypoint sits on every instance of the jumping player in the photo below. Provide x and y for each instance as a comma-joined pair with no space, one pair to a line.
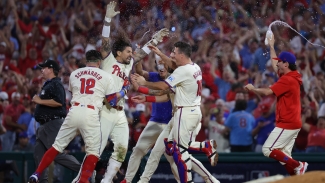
186,81
89,86
288,122
118,63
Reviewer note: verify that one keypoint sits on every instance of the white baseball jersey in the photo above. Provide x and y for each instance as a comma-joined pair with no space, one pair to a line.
118,71
215,132
89,86
187,81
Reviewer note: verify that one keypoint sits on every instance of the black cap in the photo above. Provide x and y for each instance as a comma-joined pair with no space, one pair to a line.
50,64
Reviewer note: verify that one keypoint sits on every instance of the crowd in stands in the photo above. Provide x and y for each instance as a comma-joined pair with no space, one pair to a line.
227,38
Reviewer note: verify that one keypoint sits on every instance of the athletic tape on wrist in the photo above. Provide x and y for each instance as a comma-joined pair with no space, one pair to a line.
108,19
150,99
106,31
146,49
143,90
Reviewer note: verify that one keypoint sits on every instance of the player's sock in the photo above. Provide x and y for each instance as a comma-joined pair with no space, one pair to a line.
47,159
112,168
280,156
289,169
88,168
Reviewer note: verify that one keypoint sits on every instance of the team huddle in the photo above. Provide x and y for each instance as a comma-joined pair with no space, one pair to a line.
99,90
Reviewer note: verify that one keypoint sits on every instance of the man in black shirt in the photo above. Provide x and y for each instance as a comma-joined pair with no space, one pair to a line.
50,113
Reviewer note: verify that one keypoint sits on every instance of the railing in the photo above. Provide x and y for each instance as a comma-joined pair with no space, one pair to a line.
229,159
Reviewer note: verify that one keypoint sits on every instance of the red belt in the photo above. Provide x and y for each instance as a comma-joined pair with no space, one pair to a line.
89,106
119,108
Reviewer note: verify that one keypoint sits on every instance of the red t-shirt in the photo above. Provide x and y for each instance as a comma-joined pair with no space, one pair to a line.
14,111
288,109
316,137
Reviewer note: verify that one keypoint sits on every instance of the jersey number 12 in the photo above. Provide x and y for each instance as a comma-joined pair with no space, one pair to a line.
87,85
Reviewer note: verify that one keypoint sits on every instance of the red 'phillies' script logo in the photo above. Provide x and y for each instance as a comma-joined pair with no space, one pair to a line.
120,74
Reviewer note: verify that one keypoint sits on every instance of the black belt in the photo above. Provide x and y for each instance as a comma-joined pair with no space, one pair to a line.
43,121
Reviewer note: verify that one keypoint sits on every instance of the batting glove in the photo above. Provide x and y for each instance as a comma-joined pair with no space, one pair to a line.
158,36
110,12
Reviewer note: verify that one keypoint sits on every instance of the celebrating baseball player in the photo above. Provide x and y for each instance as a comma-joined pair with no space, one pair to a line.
89,86
186,82
288,110
159,147
118,62
160,116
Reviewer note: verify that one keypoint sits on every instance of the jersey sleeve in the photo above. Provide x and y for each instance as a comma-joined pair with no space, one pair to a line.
107,62
109,85
280,87
178,76
70,87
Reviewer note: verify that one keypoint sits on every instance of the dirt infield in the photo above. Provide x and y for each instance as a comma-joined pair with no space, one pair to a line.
308,177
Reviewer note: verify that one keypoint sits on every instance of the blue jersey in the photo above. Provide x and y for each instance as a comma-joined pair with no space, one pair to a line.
265,130
241,125
161,111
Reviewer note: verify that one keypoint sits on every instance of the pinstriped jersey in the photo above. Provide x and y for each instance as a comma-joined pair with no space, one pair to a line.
89,86
186,80
118,71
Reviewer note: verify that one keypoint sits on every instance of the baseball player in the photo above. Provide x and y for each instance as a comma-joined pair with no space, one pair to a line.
89,86
118,62
159,147
187,83
288,110
160,116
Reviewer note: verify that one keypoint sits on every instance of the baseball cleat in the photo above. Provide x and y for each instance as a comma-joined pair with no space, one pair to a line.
211,148
301,169
33,178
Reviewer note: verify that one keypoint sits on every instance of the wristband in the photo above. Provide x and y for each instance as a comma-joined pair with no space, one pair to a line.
155,41
143,90
146,49
122,93
150,99
108,19
106,31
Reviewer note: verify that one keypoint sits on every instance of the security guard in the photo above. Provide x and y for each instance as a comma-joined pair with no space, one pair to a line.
50,113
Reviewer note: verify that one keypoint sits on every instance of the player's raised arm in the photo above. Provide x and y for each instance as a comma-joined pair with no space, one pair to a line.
145,50
139,70
163,57
273,54
110,13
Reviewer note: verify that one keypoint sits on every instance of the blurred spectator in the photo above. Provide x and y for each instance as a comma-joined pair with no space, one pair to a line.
10,122
23,143
316,134
216,129
26,116
31,131
263,125
239,124
139,121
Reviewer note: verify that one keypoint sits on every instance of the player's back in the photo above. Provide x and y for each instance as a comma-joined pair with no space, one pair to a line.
89,85
189,85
